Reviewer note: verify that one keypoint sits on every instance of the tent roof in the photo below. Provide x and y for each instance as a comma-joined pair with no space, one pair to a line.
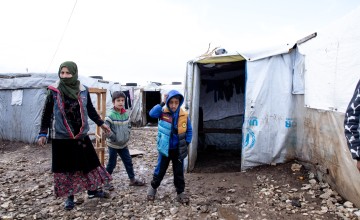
252,55
42,80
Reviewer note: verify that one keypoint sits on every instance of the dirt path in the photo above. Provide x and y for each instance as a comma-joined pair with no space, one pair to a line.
266,192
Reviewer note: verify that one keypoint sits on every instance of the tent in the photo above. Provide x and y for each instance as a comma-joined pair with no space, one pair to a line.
146,97
332,62
246,102
293,105
22,98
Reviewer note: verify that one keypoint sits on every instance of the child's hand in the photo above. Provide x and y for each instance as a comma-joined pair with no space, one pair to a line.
106,129
165,96
42,141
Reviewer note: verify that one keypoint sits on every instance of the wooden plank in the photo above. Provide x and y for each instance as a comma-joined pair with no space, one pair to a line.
135,152
97,90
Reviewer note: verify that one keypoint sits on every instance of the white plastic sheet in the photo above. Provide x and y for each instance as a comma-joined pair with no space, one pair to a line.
332,62
17,97
270,122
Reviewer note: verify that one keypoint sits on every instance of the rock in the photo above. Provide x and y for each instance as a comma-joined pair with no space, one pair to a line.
6,205
174,210
357,213
348,204
296,203
296,167
231,191
204,209
306,187
312,181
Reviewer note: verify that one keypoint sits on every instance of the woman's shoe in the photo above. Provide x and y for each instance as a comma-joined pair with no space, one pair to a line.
69,204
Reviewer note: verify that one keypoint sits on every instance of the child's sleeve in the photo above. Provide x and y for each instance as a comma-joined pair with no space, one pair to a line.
156,111
109,123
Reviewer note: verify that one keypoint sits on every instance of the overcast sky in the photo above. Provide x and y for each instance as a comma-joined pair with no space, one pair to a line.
142,40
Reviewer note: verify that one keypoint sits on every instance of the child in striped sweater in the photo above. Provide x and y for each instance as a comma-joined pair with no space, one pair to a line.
118,121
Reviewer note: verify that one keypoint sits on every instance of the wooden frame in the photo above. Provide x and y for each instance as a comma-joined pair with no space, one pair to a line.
101,110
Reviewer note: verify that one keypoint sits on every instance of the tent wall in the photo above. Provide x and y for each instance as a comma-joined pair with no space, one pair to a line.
192,96
21,122
269,129
332,62
20,119
323,145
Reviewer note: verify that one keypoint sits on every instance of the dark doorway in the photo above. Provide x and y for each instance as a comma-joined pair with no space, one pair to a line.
221,116
151,99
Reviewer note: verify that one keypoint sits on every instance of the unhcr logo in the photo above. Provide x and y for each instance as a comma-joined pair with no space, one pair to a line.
253,121
250,139
290,122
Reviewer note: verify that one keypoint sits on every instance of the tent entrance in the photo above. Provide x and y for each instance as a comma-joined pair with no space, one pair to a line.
151,99
221,116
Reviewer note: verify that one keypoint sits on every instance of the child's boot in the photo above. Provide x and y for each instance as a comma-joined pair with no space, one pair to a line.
151,193
182,198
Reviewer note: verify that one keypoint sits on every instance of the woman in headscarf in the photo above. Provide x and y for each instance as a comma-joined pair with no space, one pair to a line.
75,164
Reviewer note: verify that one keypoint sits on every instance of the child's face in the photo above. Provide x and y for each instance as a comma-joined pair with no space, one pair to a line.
174,104
65,73
119,103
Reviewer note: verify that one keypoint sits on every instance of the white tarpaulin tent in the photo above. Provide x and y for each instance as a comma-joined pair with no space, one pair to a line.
22,98
332,62
264,112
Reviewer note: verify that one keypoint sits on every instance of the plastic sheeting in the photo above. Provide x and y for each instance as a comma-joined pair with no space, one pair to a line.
270,121
21,122
323,144
22,98
224,141
332,62
269,129
224,108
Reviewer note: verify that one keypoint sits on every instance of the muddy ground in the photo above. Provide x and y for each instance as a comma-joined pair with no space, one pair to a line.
217,189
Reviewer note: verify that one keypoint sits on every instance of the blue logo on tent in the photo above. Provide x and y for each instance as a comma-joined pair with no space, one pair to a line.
253,121
289,122
250,139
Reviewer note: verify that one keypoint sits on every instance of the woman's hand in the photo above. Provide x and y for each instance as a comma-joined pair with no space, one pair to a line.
105,128
42,141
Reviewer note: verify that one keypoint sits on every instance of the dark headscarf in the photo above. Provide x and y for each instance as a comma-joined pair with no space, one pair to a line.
69,86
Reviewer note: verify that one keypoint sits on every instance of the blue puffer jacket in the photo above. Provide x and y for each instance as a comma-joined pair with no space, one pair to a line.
174,128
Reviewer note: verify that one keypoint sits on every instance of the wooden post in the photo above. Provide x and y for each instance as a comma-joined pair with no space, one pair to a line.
101,110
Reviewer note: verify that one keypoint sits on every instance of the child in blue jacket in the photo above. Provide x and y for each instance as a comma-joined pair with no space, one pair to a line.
174,136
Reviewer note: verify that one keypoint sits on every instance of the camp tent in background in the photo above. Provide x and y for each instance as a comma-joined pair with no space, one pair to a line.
332,63
22,98
146,97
